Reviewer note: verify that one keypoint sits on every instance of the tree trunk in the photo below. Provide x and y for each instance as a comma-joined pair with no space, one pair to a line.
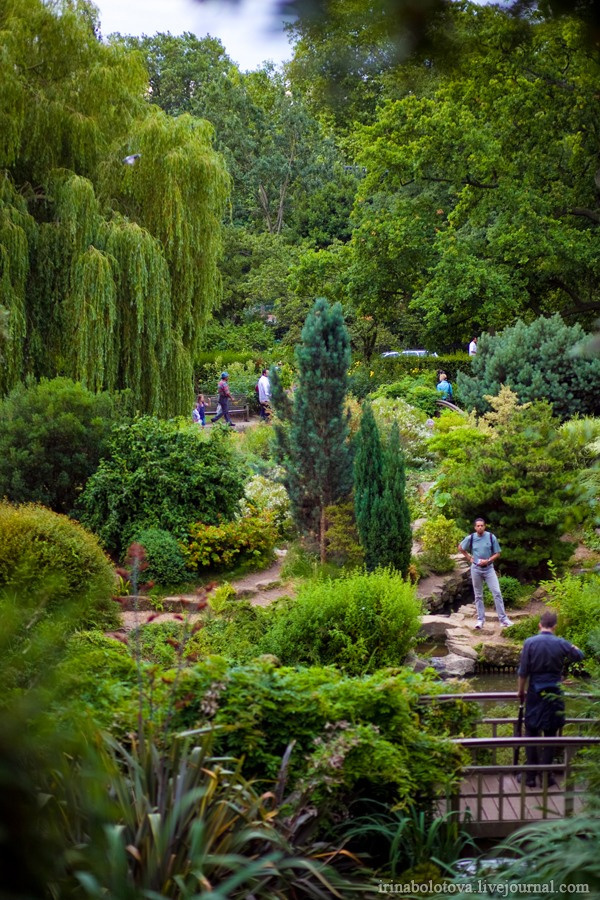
322,532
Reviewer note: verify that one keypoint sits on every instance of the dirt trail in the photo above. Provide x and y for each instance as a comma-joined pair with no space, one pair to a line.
259,588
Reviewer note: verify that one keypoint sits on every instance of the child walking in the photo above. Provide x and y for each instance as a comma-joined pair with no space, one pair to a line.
199,411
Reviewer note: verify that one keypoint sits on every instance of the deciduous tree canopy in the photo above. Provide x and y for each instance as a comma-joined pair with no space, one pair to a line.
108,270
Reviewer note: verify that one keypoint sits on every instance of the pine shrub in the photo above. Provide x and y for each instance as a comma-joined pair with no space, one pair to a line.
52,436
312,431
537,361
513,470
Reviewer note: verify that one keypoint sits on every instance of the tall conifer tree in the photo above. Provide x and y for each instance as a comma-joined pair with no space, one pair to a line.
382,513
312,440
390,513
368,485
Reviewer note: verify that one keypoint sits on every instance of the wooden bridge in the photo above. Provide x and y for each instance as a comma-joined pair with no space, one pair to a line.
490,800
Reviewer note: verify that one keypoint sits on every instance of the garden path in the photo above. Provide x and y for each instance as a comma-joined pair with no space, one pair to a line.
259,588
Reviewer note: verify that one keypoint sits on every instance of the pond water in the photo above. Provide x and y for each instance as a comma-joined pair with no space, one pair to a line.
494,681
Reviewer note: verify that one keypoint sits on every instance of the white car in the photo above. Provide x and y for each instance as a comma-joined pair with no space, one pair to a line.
391,353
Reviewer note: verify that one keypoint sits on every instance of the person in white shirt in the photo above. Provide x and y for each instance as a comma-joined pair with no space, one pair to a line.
473,347
264,395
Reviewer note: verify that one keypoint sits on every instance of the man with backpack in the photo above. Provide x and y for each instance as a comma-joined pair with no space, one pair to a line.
481,549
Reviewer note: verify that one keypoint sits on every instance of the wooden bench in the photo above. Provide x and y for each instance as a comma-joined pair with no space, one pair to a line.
238,405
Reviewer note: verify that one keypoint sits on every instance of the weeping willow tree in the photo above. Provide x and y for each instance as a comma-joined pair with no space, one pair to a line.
108,272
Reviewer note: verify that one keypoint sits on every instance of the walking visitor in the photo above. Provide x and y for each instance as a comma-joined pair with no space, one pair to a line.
264,395
199,411
224,398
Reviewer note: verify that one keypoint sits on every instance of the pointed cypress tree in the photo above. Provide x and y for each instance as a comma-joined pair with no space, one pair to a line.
368,486
391,516
312,439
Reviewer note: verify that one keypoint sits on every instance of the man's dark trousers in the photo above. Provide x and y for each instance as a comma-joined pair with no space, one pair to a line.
544,717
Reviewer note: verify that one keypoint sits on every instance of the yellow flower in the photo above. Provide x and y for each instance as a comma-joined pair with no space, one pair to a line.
371,374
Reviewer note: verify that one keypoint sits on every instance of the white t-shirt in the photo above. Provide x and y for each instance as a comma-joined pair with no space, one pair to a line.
472,348
264,389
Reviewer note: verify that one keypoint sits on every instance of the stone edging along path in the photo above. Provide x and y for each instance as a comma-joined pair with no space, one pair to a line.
259,588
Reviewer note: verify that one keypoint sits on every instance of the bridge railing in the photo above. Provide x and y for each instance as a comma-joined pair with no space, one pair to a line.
493,798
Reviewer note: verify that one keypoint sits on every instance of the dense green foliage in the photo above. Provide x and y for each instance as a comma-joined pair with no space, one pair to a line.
537,362
158,475
108,270
368,485
52,436
354,736
479,204
380,505
359,622
250,539
164,557
312,435
51,570
512,471
576,599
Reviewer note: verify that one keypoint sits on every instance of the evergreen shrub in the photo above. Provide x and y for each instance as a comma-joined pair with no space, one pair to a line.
164,556
358,622
47,553
537,362
250,539
157,475
52,436
312,429
512,468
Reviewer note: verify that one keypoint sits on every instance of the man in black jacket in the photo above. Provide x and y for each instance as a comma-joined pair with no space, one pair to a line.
542,661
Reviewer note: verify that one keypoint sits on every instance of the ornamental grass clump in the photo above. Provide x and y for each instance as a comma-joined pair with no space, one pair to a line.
360,622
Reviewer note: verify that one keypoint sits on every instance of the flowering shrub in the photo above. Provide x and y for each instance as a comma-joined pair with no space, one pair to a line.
265,495
251,539
414,433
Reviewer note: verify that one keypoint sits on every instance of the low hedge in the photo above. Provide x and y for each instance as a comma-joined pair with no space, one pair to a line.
366,377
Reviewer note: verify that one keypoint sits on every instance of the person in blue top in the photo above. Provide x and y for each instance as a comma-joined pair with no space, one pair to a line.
199,411
481,549
444,386
540,670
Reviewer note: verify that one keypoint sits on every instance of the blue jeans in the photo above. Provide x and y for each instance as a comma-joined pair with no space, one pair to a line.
479,574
